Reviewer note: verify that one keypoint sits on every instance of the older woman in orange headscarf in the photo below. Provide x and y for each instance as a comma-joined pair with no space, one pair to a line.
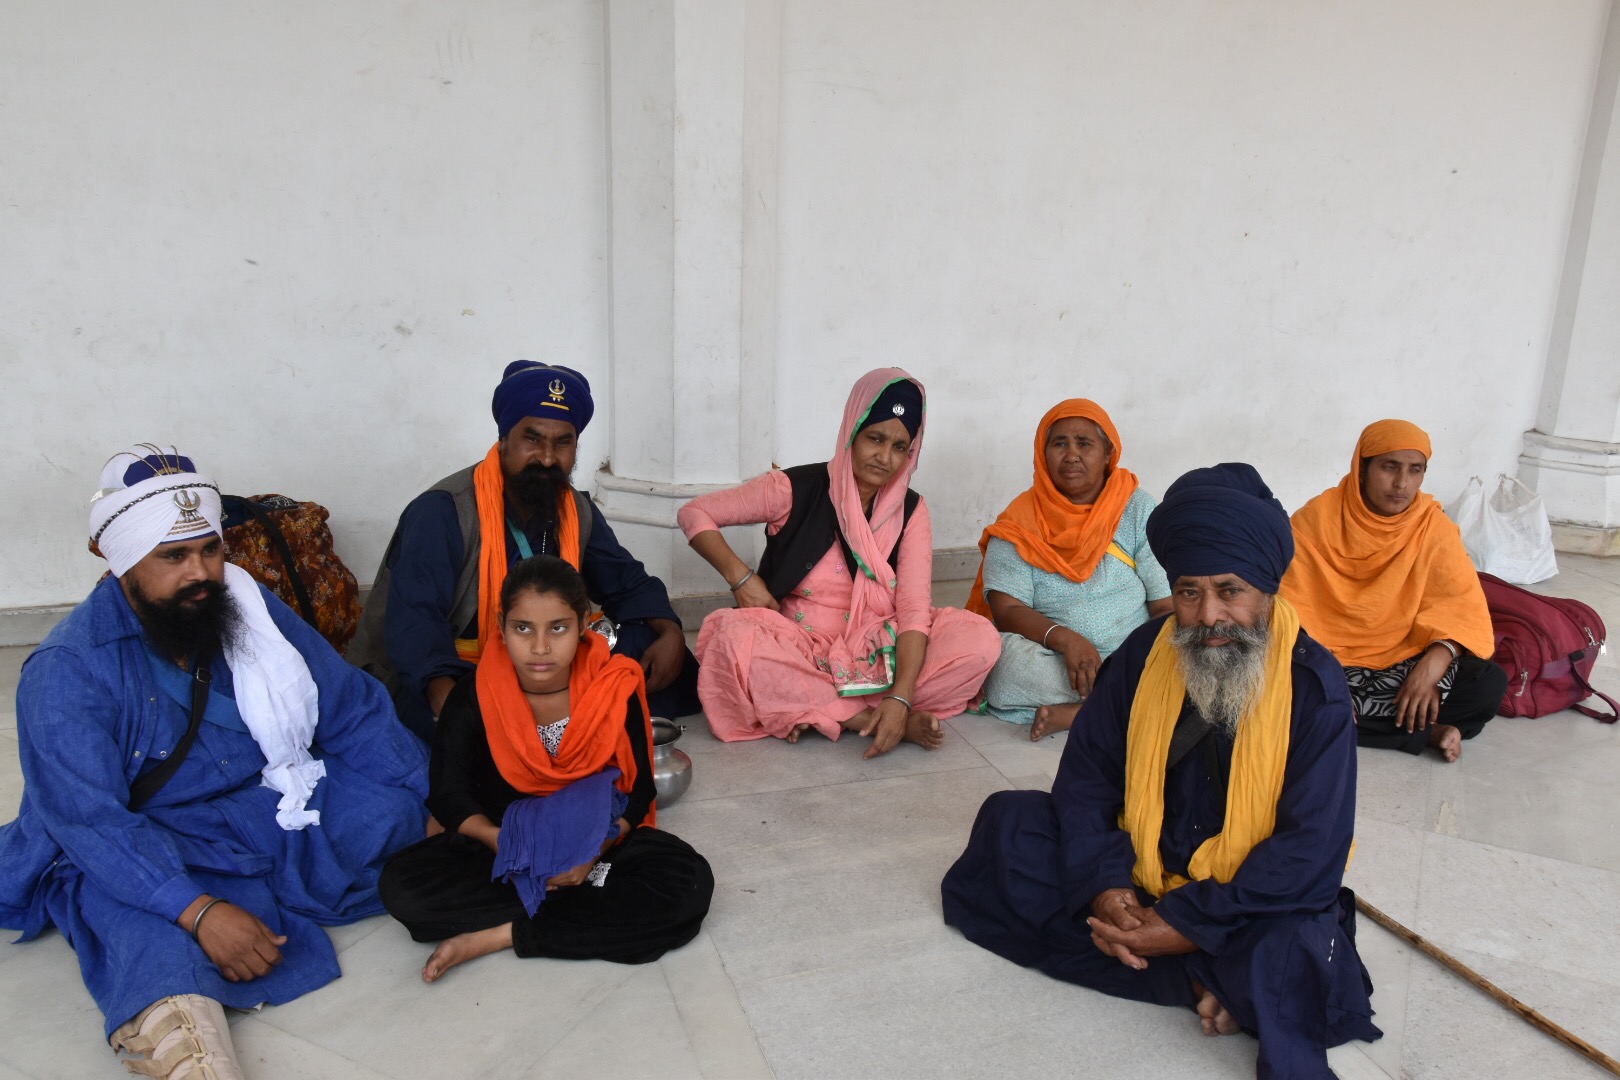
1067,572
1380,577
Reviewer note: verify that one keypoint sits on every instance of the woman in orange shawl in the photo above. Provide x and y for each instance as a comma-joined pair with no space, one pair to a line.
542,779
1380,577
1067,572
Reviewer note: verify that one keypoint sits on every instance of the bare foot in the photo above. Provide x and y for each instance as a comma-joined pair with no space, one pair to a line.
923,729
1051,719
798,729
859,720
433,826
1447,740
464,947
1213,1017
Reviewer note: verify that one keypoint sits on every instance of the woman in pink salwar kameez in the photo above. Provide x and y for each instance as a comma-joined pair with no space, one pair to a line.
835,631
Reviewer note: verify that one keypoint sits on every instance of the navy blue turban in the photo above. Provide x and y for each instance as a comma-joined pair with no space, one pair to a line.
549,391
1222,520
900,400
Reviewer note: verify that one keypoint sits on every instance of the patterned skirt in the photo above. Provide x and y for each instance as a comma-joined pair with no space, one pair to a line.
1373,690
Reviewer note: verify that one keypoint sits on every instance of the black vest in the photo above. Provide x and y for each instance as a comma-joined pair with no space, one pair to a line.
812,528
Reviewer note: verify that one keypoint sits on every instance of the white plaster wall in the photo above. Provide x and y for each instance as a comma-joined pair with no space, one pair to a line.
301,239
1247,228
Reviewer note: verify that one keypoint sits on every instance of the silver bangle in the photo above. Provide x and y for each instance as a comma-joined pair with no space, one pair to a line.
896,697
741,581
198,920
1450,648
1048,633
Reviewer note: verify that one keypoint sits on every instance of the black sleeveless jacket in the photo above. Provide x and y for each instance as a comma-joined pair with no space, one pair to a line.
812,528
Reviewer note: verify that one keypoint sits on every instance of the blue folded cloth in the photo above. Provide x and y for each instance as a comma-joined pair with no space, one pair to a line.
545,836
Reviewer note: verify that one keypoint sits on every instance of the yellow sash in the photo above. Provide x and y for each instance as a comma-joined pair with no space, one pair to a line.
1121,554
1259,758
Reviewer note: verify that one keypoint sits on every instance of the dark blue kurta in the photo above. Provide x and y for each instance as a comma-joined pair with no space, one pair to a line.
1275,944
91,717
426,561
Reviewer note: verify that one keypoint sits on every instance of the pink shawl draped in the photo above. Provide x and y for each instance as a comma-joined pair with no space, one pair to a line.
869,635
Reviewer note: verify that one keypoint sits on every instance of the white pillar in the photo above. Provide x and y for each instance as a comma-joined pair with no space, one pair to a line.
692,105
1573,456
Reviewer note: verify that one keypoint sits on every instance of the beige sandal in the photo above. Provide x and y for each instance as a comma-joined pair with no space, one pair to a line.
184,1037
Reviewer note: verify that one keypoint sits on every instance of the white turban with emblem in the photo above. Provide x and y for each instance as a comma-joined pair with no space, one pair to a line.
153,495
149,495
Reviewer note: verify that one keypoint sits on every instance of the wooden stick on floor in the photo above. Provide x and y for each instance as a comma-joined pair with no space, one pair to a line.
1569,1039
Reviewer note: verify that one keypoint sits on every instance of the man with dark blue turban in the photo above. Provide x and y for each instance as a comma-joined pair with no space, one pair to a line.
436,596
1192,849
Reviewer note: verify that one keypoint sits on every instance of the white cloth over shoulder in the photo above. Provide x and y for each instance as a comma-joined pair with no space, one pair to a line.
278,701
152,495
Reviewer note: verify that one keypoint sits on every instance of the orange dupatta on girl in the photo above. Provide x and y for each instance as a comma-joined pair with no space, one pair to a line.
599,689
1050,532
489,486
1376,590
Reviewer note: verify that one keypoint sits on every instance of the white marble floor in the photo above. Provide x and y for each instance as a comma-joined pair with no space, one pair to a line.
825,956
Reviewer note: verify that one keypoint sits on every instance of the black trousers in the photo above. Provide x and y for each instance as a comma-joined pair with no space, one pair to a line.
1475,696
653,899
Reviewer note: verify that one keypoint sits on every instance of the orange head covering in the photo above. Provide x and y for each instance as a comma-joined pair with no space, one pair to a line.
600,686
1376,590
1050,532
489,488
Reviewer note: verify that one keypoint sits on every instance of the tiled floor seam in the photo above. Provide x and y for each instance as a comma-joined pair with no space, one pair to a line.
983,764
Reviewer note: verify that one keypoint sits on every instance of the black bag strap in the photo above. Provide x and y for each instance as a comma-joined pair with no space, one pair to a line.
306,607
1614,707
151,782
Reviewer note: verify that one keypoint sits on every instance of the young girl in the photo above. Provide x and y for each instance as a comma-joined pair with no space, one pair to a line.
542,778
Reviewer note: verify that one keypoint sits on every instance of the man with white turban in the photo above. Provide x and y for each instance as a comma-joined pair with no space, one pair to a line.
206,782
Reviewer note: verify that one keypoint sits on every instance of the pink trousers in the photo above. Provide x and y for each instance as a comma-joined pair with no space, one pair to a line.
759,673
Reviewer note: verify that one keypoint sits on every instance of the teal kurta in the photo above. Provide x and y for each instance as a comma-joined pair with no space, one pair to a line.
1104,608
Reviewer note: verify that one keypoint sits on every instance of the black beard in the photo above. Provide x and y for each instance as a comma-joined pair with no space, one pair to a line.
537,488
195,623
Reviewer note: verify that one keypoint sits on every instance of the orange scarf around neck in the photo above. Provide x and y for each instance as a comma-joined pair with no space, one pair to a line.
489,485
600,686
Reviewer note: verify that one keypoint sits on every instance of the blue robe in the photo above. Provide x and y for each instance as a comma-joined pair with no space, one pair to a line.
91,716
1276,944
426,561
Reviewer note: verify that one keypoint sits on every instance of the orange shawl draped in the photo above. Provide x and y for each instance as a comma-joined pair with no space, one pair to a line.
1050,532
599,689
1376,590
489,486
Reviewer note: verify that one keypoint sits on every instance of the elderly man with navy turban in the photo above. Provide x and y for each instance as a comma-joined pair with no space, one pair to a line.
205,782
436,597
1192,849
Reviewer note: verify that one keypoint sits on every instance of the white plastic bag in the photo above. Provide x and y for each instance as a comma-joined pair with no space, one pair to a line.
1508,534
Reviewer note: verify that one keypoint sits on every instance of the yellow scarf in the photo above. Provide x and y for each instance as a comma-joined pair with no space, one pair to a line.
1259,759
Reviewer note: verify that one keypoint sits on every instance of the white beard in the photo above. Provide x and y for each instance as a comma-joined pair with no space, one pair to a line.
1223,681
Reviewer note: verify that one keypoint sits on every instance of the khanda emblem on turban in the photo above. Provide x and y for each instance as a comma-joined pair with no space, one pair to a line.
899,410
189,503
557,387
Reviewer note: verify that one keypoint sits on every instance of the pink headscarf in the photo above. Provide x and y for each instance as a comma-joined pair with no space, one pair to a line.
871,540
